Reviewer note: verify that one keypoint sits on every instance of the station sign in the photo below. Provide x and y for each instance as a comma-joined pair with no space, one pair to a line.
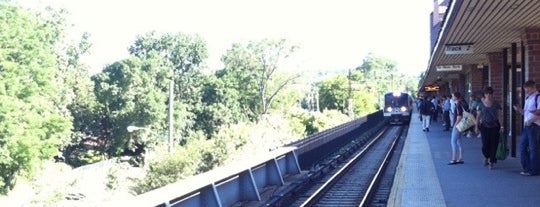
458,49
446,68
431,88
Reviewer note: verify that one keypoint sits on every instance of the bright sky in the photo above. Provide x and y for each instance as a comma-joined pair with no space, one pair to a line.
331,34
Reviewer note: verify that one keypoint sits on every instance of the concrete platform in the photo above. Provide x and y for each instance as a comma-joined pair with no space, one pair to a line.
424,177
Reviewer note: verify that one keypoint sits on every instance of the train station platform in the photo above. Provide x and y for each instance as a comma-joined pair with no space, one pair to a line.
424,178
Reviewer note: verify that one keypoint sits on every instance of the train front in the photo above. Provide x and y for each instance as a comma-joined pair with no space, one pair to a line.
398,107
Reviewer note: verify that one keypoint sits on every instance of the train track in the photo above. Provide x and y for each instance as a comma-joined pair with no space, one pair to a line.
354,182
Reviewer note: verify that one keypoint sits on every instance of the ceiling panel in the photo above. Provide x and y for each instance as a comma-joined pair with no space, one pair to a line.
491,25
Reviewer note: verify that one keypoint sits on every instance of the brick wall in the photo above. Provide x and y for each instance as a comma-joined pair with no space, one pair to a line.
496,69
532,45
476,79
496,73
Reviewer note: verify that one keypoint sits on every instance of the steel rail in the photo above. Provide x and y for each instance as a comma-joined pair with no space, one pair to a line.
341,172
380,172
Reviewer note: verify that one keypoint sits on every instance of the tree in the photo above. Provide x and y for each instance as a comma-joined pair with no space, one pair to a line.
333,93
130,92
363,103
377,67
183,55
33,119
220,107
253,71
379,75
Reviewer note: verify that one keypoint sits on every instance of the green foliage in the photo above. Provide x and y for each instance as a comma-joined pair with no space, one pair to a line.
130,92
333,93
364,103
49,101
289,97
365,86
252,70
380,76
229,140
377,67
318,122
296,120
181,53
181,56
219,107
78,90
174,166
229,144
81,156
32,120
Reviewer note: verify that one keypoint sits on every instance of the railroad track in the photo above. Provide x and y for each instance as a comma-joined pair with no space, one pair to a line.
354,181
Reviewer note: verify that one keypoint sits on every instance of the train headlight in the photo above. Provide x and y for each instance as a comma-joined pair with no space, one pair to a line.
389,109
403,109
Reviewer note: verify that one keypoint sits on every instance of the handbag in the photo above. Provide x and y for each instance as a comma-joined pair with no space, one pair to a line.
502,149
467,121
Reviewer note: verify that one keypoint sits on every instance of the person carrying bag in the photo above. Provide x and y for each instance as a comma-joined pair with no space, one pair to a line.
455,139
490,129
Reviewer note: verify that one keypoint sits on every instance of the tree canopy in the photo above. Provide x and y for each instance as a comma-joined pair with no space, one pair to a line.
364,86
253,71
32,120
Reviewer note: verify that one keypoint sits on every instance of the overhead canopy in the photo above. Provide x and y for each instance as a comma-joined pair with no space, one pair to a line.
474,28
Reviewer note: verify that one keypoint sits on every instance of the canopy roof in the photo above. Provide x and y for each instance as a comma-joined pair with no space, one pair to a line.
473,28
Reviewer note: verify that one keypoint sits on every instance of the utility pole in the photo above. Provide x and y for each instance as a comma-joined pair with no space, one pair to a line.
317,99
171,114
349,100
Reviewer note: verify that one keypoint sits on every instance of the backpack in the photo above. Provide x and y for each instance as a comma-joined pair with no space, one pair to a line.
426,107
536,100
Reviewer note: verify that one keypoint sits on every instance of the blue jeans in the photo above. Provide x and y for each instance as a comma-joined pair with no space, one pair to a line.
455,142
528,149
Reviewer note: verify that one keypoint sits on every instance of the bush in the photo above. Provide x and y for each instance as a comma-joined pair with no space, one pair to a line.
231,143
195,157
80,157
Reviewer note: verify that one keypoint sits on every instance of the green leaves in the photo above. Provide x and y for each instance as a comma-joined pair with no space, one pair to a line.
252,70
46,91
129,94
32,124
365,86
333,93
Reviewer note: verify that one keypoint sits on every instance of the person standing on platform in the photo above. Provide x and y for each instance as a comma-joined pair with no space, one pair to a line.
426,110
474,106
446,112
419,101
528,143
435,103
488,123
452,111
455,140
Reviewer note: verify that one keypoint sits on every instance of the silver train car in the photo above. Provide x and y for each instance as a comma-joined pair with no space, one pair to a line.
398,107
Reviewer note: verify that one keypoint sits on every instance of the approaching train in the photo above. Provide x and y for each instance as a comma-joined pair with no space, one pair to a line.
398,107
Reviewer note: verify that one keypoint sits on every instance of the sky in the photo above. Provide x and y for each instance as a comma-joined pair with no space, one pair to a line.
332,35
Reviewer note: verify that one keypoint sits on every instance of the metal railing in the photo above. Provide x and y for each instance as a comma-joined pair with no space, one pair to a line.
243,182
223,186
